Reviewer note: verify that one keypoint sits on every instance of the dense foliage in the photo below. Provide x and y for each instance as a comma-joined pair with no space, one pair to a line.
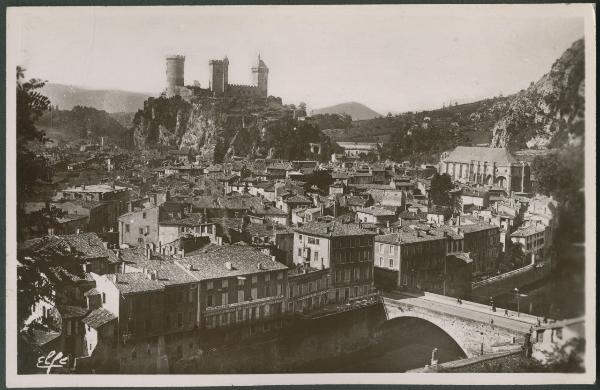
83,122
561,175
440,188
31,105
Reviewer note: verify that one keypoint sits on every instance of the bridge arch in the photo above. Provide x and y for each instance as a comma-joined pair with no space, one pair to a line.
417,330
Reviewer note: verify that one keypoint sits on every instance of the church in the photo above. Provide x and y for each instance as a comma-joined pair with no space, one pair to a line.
486,166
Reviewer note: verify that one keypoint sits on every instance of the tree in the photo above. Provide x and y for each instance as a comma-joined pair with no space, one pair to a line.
31,104
561,175
320,178
440,188
517,256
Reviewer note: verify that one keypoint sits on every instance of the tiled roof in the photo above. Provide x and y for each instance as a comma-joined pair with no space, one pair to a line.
528,231
67,311
91,292
297,199
264,229
332,229
167,274
407,235
39,336
244,260
466,154
87,245
376,211
194,219
477,227
95,188
98,317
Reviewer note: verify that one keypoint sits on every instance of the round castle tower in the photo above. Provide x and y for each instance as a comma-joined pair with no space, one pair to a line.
260,76
175,73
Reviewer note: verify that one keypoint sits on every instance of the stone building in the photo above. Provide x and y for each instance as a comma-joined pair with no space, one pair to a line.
345,249
486,166
218,84
430,260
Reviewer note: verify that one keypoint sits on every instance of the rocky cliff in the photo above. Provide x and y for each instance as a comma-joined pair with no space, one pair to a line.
550,112
222,128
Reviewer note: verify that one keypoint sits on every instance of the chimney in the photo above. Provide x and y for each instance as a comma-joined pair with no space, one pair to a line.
273,258
259,265
129,206
77,231
228,265
148,252
154,275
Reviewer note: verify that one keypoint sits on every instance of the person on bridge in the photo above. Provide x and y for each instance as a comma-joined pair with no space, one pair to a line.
506,312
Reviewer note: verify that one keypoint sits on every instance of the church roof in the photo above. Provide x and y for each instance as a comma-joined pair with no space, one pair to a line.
466,154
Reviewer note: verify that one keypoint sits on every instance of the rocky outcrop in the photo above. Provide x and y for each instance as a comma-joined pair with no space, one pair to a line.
223,128
550,113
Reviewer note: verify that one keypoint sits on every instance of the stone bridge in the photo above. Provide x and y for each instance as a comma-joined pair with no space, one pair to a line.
474,327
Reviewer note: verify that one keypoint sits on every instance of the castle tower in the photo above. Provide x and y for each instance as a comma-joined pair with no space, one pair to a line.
175,72
219,75
260,75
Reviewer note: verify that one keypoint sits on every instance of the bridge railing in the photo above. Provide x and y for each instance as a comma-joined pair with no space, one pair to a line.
502,276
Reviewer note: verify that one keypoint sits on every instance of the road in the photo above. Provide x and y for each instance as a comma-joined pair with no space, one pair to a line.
468,310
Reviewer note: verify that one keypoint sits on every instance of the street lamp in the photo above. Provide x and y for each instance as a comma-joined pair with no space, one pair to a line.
518,307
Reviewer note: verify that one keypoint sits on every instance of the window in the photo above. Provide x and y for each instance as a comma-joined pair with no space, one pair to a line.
317,241
316,256
190,316
381,248
254,279
141,230
209,300
347,275
391,263
179,320
224,298
390,249
209,285
127,228
241,282
254,293
240,296
381,261
300,252
103,297
300,237
144,215
224,284
267,291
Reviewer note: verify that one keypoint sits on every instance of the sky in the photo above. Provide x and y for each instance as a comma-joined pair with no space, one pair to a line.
391,58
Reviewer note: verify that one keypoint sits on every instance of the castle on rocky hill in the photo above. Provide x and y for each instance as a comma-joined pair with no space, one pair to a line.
219,80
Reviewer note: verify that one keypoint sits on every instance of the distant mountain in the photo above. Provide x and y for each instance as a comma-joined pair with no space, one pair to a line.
356,110
68,96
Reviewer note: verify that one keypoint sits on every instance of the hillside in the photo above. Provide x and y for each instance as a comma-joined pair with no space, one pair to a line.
356,110
80,123
548,114
67,96
219,129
